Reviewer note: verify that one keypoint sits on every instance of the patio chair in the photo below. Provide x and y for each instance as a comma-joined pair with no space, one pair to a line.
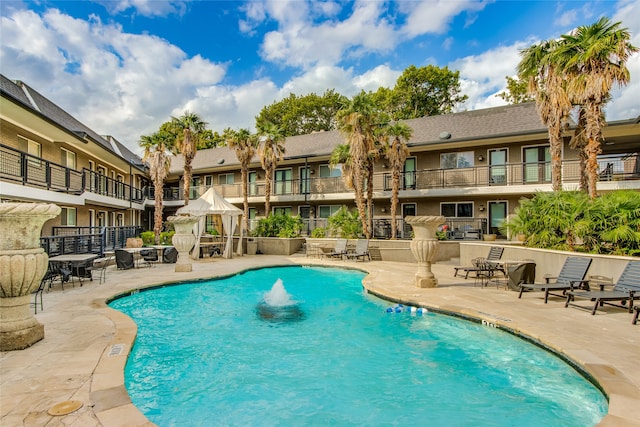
100,265
149,256
339,250
626,290
39,292
572,275
170,255
124,260
495,253
361,251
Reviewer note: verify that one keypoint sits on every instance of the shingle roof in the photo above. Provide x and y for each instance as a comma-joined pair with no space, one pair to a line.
31,99
482,124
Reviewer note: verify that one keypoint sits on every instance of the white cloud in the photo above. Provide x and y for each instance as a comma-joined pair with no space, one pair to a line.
430,16
148,8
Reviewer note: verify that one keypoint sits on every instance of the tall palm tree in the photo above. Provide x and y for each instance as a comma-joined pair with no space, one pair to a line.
270,150
594,58
244,144
189,128
340,156
546,84
356,122
396,152
156,154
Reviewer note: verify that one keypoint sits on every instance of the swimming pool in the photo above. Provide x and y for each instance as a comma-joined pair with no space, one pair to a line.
205,355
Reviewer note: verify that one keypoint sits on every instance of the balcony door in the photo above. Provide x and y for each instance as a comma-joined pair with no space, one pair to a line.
537,164
497,214
498,166
409,173
304,180
283,182
252,183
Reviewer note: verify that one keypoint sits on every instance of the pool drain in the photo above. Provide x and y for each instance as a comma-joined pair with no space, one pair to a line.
64,408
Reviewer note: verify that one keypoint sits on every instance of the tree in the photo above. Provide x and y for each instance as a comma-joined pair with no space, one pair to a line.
271,150
188,129
357,122
516,92
424,91
593,58
396,153
546,83
156,154
244,144
300,115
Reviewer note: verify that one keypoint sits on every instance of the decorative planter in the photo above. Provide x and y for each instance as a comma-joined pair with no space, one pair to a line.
23,263
489,237
252,247
521,237
183,240
424,247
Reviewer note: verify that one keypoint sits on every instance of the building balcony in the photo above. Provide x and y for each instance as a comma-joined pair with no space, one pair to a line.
23,169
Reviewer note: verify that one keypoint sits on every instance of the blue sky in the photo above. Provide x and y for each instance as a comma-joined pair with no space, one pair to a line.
124,67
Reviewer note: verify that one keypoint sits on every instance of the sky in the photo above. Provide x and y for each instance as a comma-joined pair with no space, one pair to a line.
124,67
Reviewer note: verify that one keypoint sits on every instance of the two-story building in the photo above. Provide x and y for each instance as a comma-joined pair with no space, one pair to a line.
472,167
46,155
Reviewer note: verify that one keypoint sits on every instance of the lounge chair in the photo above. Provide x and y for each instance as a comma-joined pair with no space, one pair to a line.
572,275
626,290
361,251
495,253
124,260
339,250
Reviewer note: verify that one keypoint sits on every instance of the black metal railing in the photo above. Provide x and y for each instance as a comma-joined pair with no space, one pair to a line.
87,240
29,170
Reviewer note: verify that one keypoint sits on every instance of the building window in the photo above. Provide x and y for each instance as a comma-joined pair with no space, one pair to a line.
282,210
120,220
208,181
456,160
225,179
283,181
327,171
327,210
68,216
68,158
457,210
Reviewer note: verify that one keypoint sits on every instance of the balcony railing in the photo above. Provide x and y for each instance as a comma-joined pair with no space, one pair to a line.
625,167
21,167
92,240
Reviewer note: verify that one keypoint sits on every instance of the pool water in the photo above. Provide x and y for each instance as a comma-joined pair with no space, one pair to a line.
204,356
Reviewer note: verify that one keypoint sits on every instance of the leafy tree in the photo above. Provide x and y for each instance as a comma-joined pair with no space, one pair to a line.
244,144
300,115
271,150
396,152
593,58
156,154
424,91
516,92
210,139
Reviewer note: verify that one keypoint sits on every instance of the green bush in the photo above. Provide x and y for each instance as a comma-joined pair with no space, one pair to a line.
165,237
148,237
285,226
345,224
319,233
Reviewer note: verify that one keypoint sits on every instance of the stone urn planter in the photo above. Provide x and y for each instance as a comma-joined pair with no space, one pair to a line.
183,240
23,263
489,237
424,247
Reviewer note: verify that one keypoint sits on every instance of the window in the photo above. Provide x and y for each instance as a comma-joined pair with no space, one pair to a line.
497,166
208,181
327,211
253,187
68,158
327,171
537,164
304,180
194,189
457,210
283,181
120,187
101,178
456,160
68,216
225,179
120,220
282,210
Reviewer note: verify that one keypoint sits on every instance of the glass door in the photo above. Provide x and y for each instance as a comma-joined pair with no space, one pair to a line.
498,166
497,215
409,173
252,184
282,181
304,180
537,164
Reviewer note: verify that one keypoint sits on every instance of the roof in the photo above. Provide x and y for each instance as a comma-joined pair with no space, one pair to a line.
30,99
504,121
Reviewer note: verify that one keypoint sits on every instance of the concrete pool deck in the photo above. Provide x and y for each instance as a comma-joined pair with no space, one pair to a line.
86,344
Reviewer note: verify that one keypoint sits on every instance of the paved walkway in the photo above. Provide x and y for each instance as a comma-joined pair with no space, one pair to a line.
86,344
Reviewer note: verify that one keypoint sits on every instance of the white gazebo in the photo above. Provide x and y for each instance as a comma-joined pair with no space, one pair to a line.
211,203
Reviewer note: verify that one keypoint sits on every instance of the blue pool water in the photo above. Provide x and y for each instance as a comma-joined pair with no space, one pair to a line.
206,356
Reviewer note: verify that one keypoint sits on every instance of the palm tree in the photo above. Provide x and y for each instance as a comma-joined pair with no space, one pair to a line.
594,58
357,123
546,84
244,144
270,150
396,153
156,154
188,128
340,156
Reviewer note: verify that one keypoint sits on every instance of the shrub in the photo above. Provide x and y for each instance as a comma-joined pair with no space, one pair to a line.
279,226
345,224
319,232
148,237
165,237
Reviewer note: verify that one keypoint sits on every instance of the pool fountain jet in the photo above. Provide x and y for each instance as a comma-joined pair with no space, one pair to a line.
278,307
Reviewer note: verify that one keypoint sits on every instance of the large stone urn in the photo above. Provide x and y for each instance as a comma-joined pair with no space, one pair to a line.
424,247
183,239
23,263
